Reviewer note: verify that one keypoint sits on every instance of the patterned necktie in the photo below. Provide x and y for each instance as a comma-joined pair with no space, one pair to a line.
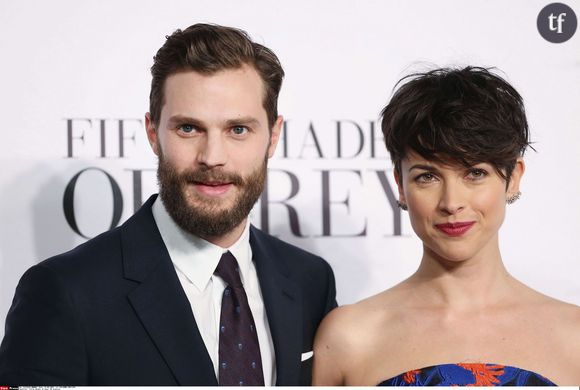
240,363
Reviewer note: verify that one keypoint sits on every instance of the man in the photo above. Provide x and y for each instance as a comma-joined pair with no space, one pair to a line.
185,292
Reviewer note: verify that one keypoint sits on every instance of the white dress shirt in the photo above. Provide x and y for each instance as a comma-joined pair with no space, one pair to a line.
195,261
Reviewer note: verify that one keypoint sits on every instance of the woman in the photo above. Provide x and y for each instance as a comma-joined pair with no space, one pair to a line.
456,139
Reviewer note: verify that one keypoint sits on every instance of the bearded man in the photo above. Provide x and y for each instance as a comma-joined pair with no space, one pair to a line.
186,292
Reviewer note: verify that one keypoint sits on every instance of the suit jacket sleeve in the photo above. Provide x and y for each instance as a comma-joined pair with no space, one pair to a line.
331,292
43,343
330,289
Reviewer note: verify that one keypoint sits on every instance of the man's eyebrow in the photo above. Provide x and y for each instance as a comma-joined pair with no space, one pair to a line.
241,121
175,119
244,120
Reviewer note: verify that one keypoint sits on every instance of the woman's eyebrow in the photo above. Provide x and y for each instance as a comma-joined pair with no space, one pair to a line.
423,167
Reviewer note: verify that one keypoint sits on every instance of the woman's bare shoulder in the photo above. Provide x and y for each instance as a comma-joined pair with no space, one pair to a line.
566,318
347,336
556,309
562,324
334,346
351,324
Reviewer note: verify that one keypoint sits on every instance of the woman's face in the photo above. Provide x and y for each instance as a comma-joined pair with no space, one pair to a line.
456,211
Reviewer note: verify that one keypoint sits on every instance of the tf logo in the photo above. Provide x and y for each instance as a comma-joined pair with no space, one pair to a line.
557,22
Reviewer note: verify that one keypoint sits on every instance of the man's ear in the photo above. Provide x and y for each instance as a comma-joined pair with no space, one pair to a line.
516,177
151,134
275,135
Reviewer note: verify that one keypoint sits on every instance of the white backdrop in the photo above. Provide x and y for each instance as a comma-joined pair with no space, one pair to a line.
85,66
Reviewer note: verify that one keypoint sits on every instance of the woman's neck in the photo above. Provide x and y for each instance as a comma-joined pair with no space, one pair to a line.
470,284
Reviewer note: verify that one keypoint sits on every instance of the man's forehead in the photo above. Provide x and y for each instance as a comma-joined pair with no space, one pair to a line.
245,70
231,82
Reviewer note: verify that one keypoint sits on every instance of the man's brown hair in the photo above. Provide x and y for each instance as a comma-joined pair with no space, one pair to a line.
209,48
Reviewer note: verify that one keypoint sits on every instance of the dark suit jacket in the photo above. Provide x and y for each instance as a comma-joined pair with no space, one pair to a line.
112,312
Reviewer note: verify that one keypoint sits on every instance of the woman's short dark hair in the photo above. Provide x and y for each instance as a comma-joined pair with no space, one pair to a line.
209,48
465,116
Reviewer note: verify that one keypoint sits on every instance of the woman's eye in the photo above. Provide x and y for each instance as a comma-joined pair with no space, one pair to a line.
425,178
476,174
239,130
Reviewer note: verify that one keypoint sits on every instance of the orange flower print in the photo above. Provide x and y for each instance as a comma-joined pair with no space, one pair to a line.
409,376
484,374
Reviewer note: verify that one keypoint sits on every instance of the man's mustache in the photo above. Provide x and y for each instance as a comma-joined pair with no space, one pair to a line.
210,175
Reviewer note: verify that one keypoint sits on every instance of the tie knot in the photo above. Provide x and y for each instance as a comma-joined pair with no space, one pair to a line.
229,270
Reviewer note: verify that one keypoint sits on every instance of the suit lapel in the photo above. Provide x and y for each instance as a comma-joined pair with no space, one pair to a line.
160,302
282,299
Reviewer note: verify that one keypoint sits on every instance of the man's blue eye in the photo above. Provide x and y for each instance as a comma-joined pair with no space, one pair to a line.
239,130
186,128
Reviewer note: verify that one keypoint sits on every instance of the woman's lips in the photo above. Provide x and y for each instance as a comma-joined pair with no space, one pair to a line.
455,229
212,189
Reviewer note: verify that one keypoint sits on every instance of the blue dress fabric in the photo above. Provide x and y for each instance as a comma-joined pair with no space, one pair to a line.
468,374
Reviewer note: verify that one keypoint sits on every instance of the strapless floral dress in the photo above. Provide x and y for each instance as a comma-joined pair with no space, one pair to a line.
468,374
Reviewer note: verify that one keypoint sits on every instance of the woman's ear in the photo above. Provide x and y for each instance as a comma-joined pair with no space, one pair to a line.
515,178
399,181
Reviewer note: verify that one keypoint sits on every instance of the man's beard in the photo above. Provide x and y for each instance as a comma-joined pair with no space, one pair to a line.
203,216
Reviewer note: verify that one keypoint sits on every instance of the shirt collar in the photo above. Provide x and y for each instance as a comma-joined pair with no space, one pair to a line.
195,257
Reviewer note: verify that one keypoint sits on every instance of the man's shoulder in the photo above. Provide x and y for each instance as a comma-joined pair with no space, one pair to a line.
89,258
113,259
290,259
107,248
283,249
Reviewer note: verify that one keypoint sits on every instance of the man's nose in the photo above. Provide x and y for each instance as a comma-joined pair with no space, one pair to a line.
213,151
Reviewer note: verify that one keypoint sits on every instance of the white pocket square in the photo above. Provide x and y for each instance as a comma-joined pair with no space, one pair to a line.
306,355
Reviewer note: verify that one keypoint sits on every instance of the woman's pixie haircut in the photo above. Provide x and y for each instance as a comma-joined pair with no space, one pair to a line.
459,116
